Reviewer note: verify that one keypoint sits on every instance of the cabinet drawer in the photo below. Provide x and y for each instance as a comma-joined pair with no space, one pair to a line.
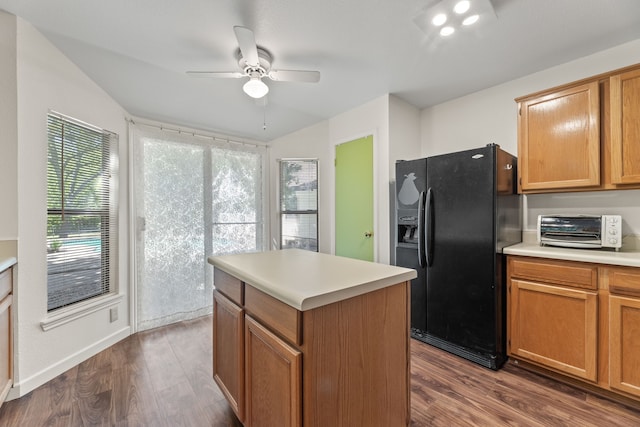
624,281
568,273
228,285
278,316
5,283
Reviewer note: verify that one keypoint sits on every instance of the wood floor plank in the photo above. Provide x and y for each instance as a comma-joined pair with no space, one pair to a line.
179,407
164,368
134,400
163,378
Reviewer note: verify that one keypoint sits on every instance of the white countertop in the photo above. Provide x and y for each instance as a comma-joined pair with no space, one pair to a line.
628,255
6,262
306,280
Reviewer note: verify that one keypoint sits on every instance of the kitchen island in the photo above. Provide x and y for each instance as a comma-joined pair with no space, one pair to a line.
304,338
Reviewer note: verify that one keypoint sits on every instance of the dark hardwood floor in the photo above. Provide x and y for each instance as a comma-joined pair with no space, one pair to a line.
162,377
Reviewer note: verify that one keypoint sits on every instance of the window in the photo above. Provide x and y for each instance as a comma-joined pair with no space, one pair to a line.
299,204
81,211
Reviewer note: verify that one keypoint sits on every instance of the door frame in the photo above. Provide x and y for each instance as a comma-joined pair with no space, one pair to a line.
343,140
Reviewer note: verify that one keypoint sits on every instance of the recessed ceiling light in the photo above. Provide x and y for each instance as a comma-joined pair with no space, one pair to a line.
462,6
439,19
469,20
447,31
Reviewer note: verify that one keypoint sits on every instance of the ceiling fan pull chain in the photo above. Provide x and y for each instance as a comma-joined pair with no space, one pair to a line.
264,116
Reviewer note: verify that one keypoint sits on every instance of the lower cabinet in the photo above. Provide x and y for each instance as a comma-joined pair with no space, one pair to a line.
624,330
273,377
555,326
6,335
228,351
578,319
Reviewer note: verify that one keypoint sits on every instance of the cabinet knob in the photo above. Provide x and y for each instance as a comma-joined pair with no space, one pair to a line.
368,234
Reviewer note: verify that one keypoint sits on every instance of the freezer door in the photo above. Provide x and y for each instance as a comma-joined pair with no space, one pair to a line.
411,176
463,305
408,257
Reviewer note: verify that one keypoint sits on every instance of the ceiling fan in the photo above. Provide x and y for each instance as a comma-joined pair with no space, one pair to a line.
255,63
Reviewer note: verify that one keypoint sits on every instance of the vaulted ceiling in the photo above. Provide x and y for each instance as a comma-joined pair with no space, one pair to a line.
139,52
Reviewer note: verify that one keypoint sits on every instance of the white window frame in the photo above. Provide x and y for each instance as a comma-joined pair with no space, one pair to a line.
283,212
109,258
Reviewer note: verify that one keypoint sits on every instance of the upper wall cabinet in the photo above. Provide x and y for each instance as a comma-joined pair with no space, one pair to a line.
559,143
625,127
583,136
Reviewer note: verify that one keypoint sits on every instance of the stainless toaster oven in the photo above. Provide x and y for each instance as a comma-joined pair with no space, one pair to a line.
580,231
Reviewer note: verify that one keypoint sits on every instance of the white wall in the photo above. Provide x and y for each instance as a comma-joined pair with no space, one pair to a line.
8,129
48,80
490,116
310,142
404,144
395,126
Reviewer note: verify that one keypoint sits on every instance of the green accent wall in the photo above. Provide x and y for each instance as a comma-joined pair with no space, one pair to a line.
354,198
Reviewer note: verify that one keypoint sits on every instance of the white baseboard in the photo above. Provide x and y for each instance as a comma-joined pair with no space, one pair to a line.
27,385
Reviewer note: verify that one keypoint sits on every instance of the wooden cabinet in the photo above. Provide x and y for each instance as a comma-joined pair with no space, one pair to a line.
624,329
577,319
6,335
559,139
582,136
551,322
625,127
228,351
273,378
344,363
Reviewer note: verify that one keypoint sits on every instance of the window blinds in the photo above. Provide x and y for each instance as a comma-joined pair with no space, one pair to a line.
81,211
299,204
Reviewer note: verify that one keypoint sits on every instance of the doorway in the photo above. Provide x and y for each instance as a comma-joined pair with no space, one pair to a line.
192,199
354,199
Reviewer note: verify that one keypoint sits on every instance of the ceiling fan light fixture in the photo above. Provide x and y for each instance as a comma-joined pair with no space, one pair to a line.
255,88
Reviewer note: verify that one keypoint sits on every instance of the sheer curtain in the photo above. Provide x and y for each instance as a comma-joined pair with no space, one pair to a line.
194,196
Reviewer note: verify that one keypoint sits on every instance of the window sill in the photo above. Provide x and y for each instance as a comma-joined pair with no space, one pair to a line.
79,310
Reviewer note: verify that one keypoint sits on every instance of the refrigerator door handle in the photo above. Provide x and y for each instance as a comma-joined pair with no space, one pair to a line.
429,227
422,259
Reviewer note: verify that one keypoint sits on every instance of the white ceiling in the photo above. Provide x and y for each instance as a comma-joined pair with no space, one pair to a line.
139,50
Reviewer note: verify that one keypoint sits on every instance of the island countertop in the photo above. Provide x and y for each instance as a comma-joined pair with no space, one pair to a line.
305,280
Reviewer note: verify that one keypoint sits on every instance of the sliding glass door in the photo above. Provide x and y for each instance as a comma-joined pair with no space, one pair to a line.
193,198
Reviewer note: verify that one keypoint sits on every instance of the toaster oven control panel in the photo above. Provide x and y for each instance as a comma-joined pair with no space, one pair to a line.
612,231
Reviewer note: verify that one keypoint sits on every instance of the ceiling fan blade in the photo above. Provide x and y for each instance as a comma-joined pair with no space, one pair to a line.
222,74
248,47
294,76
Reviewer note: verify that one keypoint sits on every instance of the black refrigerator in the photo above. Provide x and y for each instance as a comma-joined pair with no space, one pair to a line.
466,210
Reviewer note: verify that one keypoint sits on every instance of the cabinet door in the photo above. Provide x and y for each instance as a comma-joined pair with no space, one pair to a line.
6,351
559,139
273,379
555,327
624,98
624,344
228,351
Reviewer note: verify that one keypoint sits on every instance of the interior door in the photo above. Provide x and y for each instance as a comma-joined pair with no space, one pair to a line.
354,199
